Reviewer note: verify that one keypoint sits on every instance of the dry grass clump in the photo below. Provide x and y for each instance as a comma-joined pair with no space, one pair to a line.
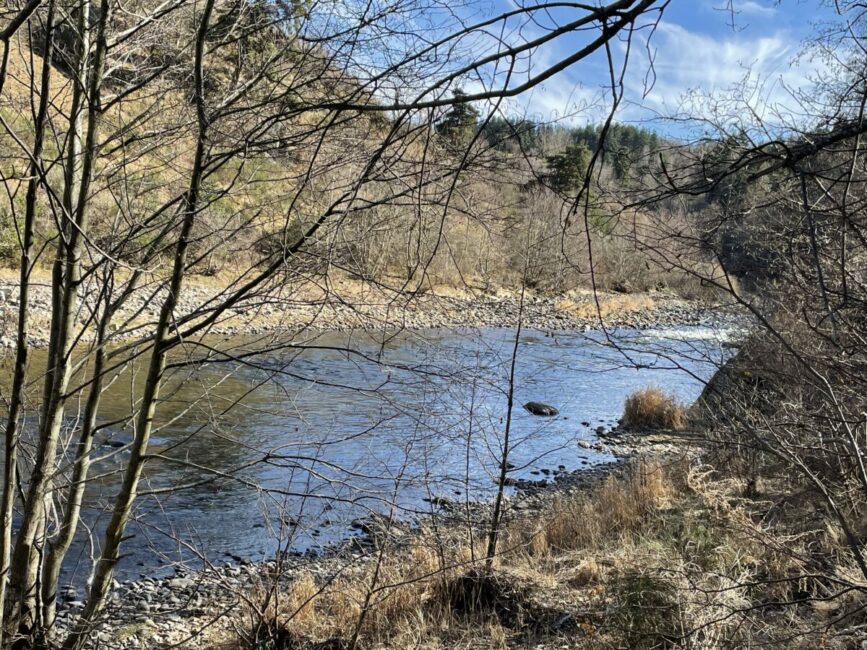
618,507
400,600
651,408
390,598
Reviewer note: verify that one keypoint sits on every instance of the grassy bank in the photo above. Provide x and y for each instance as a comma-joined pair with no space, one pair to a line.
671,554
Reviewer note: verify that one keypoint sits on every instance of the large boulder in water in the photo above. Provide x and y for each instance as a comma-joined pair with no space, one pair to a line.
538,408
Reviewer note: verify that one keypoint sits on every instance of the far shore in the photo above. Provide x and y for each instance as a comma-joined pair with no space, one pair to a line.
351,305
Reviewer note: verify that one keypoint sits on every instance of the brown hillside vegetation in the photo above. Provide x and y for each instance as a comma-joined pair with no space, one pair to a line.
472,240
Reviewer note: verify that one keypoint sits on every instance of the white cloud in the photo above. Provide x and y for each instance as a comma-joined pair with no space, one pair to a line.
765,68
686,64
688,60
750,8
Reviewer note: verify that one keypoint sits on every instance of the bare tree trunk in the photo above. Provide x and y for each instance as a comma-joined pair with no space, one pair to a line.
29,551
19,372
60,546
79,184
144,424
496,517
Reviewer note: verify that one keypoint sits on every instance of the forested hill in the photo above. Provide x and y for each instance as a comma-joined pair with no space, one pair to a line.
507,224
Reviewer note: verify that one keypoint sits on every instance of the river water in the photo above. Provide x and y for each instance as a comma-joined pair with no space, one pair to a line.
286,449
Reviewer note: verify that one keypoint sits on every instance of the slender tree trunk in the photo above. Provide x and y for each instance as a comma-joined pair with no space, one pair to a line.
10,476
80,182
144,423
29,551
496,518
60,546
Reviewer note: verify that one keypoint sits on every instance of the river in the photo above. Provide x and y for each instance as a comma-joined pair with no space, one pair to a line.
286,449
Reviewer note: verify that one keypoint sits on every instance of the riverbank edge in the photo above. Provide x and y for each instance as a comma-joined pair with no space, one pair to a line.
184,610
366,310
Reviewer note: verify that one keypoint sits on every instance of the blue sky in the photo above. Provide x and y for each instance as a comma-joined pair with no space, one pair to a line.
698,46
700,49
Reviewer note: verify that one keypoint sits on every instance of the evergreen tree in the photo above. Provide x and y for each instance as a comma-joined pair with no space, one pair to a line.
566,170
460,123
506,133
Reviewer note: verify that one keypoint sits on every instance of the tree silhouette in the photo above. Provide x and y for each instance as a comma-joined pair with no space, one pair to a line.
460,122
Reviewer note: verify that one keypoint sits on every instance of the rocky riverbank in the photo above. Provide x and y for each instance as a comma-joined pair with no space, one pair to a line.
198,608
351,305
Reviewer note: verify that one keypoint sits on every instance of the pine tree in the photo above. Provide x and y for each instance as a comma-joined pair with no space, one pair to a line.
566,170
460,123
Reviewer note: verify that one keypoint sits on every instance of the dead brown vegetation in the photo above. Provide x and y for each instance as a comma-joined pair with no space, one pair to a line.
663,555
604,305
652,408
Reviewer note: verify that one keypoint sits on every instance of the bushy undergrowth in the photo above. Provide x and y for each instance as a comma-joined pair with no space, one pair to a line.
664,556
645,610
400,600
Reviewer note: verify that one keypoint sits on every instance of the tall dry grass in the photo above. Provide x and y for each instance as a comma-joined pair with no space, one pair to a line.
605,305
663,555
652,408
618,507
397,600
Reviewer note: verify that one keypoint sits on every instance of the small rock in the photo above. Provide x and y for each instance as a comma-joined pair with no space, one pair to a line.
180,583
